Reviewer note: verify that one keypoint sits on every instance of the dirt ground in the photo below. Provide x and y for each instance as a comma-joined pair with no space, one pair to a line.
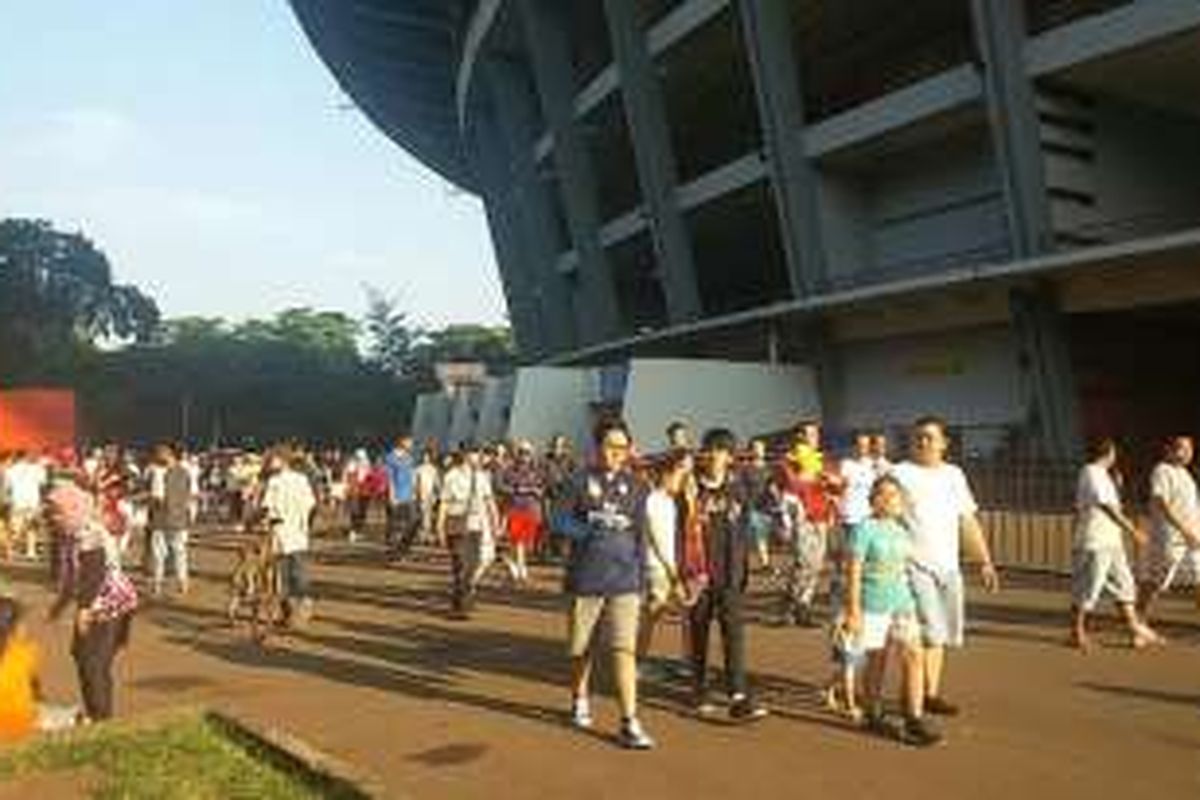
438,708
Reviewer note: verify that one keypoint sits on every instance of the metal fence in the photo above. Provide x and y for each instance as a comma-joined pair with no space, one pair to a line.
1027,511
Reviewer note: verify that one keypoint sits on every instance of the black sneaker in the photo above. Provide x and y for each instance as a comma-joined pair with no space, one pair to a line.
743,709
916,732
876,722
941,707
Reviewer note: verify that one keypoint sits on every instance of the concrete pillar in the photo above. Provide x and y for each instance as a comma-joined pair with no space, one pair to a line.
511,256
646,115
794,181
1045,352
509,84
548,38
1000,33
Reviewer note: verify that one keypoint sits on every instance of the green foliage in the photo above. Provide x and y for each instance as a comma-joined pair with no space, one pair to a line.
57,298
297,375
187,759
390,338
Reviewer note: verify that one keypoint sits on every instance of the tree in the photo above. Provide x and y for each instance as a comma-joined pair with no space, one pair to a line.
297,375
57,298
492,346
390,338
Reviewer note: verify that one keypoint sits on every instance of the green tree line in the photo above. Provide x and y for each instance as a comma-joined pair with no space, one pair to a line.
319,376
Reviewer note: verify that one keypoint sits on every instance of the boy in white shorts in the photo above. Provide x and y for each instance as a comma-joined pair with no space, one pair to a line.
881,611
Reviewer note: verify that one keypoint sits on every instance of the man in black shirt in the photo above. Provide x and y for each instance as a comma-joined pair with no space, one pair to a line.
721,506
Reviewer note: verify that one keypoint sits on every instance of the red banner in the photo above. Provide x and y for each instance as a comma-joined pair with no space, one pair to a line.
37,419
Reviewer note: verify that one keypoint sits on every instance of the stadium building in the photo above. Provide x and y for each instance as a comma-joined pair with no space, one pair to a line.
984,208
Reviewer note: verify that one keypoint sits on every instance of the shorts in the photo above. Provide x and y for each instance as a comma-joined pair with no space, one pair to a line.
1167,562
1093,571
940,606
524,525
621,612
878,629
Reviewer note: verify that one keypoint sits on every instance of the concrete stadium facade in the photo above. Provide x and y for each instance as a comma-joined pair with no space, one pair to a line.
984,208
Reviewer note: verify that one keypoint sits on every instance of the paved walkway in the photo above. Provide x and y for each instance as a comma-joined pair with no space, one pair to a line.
439,708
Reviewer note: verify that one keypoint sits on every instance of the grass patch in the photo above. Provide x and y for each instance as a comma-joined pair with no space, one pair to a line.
191,758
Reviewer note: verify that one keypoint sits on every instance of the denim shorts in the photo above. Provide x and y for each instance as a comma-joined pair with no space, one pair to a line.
940,606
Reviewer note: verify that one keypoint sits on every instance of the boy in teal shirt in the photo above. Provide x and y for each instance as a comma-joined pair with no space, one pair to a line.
881,609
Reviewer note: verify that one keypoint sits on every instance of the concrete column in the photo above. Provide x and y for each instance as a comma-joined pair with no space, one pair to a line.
1000,33
1045,353
507,239
515,107
794,181
658,176
547,36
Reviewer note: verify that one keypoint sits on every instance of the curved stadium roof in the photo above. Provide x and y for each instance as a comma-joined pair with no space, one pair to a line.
397,60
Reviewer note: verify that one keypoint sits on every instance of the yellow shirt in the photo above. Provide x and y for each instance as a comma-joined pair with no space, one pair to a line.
809,459
18,670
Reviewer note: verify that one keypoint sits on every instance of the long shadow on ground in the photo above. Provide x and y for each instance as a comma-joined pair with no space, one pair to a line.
432,662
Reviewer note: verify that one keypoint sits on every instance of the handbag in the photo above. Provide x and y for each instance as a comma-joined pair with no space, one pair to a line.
117,597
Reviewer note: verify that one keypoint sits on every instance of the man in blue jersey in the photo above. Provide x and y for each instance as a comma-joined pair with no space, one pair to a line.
401,521
603,519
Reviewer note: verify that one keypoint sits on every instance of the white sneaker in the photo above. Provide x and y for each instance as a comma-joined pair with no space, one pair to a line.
581,715
633,737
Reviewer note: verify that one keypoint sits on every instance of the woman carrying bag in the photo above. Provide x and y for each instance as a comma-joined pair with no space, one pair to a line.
105,599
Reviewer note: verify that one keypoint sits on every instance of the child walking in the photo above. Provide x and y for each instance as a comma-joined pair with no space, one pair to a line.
881,611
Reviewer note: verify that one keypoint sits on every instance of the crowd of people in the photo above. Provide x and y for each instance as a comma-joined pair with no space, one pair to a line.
640,538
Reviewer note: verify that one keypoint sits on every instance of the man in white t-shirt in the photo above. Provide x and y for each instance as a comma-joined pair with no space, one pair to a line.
1099,564
1173,552
24,481
859,472
288,501
940,510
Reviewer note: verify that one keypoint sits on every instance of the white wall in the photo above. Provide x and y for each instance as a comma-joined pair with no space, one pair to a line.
431,418
550,400
464,417
495,409
968,376
749,399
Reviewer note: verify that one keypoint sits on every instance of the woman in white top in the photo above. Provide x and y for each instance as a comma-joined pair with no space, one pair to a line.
1100,564
663,585
467,523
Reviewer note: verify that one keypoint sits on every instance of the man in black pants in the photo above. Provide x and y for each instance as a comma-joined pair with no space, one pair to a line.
723,517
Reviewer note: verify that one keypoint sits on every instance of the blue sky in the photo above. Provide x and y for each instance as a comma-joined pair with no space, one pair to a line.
200,143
